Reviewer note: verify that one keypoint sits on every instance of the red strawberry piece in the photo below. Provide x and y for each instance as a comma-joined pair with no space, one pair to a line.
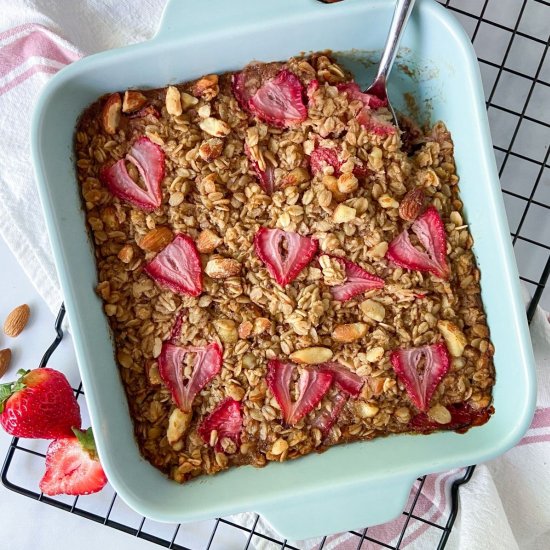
248,81
284,264
322,157
40,404
352,90
176,328
178,267
72,466
421,370
357,281
144,112
312,385
344,378
463,417
430,231
207,364
327,417
266,178
279,101
148,158
227,420
312,87
375,123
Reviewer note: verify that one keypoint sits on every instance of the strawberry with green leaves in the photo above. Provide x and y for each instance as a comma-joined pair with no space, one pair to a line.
72,466
39,404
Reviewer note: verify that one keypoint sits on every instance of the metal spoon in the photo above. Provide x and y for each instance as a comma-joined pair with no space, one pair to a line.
403,9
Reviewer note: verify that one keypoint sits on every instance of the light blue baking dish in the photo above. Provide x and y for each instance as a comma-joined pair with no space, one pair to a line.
353,485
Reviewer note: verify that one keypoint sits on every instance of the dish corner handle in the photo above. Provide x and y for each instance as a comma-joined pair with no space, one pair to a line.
342,508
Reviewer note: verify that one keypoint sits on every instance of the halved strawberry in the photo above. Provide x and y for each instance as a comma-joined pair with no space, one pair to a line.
266,178
344,378
284,253
421,370
352,90
322,157
280,101
148,158
327,417
177,267
250,79
463,417
312,385
357,281
207,364
430,231
227,420
72,466
373,122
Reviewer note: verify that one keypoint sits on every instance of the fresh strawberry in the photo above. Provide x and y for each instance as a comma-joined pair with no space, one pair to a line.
284,253
266,178
227,420
207,364
40,404
312,385
354,93
72,466
280,101
430,231
357,281
178,267
250,79
421,370
344,378
148,158
375,123
326,418
322,157
176,328
463,417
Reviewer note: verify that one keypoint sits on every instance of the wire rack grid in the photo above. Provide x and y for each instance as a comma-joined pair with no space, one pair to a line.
511,38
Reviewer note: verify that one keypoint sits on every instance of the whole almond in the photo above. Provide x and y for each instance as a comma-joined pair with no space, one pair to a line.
5,358
207,241
132,101
16,321
110,115
349,332
156,239
311,356
412,204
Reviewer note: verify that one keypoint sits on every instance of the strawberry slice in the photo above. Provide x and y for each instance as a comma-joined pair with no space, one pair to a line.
284,264
352,90
266,178
279,101
357,281
178,267
207,364
327,417
375,123
72,466
421,370
322,157
227,420
345,379
463,417
176,328
148,158
430,231
312,385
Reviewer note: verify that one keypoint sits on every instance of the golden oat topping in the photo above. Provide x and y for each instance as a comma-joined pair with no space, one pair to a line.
282,269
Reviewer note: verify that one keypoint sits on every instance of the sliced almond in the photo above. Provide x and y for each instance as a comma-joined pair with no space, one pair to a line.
440,414
295,177
188,101
366,410
454,337
227,330
347,183
261,324
312,356
343,214
385,201
110,115
375,354
349,332
5,359
235,391
211,149
173,101
132,101
221,268
178,424
215,127
156,239
208,241
17,320
279,447
373,309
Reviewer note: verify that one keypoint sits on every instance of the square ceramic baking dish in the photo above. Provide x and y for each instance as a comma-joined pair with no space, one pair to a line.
352,485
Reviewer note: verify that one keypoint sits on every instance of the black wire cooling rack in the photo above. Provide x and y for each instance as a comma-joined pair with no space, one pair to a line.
511,39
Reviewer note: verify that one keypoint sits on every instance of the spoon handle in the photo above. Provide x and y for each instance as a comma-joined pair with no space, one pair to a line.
403,9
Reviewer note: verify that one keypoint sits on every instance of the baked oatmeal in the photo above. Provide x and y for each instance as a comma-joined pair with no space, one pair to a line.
282,268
